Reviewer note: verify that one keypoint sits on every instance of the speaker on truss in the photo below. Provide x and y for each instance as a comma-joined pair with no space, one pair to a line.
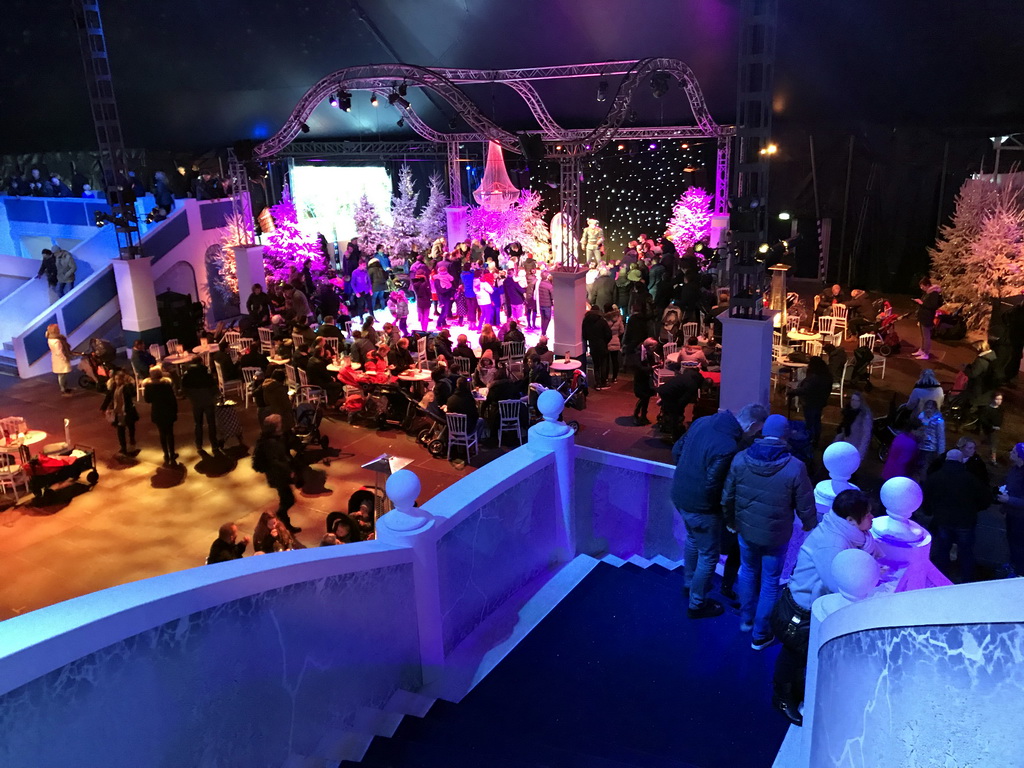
532,147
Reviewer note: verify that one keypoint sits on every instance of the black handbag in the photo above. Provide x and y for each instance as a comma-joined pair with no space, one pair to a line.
790,623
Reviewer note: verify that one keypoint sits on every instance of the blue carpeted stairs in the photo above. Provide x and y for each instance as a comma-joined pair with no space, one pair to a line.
615,676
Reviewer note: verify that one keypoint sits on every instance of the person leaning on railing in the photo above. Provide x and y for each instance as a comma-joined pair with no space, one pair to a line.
847,526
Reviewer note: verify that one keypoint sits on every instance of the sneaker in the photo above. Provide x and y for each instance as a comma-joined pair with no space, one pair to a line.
760,643
709,610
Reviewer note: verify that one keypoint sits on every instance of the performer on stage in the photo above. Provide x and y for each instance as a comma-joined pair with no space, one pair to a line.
592,240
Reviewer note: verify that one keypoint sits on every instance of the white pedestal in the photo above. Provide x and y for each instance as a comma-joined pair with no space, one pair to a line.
457,216
746,362
898,552
250,270
137,297
570,304
719,225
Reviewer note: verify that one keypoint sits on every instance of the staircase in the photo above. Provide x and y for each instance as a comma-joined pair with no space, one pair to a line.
8,365
615,676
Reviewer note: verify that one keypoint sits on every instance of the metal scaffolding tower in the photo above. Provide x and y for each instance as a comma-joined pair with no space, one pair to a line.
93,46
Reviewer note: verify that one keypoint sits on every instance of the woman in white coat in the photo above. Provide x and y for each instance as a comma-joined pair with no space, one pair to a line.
60,356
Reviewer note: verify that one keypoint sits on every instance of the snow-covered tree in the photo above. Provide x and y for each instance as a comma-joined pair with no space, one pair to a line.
979,254
369,228
404,234
287,247
524,223
433,219
691,219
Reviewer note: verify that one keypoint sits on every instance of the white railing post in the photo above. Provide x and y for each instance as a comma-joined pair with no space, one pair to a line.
410,526
556,437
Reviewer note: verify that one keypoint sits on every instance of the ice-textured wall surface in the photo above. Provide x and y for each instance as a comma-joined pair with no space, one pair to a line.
494,551
624,511
250,682
938,696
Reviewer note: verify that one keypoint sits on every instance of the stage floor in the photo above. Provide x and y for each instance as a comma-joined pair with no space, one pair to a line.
142,519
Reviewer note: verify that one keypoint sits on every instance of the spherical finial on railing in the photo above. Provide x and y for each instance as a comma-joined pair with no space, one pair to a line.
550,404
841,460
403,488
901,497
856,573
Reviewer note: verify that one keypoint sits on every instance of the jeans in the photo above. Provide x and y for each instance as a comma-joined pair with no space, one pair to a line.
545,318
211,420
758,587
926,338
703,546
379,300
63,288
613,358
945,538
286,500
122,429
812,418
472,312
600,358
531,314
166,430
444,308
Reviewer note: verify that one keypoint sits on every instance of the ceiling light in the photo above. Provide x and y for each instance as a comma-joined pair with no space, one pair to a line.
602,90
303,127
345,101
784,216
403,89
373,100
395,98
335,101
401,122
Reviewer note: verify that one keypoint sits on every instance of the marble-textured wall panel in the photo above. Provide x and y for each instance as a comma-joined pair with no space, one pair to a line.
906,697
624,512
249,682
494,551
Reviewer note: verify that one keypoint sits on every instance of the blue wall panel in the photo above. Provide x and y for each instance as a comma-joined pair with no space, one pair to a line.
89,300
69,213
26,209
215,215
35,341
164,238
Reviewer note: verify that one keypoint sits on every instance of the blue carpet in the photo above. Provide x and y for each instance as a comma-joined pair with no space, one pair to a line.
615,676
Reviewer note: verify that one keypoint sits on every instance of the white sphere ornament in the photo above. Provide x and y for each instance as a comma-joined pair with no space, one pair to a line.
550,403
841,460
403,488
901,497
856,573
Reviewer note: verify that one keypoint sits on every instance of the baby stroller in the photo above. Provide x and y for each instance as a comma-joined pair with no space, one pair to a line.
307,425
97,365
888,341
575,390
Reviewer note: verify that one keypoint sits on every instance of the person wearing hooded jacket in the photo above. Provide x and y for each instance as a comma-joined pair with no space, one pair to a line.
703,456
846,526
378,282
765,484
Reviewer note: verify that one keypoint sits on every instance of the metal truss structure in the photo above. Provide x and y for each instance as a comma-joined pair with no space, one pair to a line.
566,146
384,150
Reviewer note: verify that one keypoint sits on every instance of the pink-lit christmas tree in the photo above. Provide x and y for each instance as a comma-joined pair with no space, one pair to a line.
523,222
287,247
691,219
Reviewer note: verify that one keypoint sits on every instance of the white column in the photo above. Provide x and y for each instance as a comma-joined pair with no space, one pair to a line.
410,526
746,362
457,216
904,543
137,297
570,304
250,271
554,436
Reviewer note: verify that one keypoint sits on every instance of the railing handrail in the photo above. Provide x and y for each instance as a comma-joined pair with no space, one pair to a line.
35,643
657,468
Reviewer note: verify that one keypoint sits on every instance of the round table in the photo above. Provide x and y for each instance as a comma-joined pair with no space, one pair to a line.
180,359
279,360
20,445
205,349
411,374
804,336
561,366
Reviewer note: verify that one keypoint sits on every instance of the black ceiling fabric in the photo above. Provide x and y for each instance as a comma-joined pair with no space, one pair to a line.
198,74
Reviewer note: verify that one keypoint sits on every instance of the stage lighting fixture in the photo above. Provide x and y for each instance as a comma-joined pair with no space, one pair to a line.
602,90
659,84
763,248
698,248
453,123
304,128
653,145
395,98
770,149
373,100
403,89
784,216
335,101
621,147
401,122
345,101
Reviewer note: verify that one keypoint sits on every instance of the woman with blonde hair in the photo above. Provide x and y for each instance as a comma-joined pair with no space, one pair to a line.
60,357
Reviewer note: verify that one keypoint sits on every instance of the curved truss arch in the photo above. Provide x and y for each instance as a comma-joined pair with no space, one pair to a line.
377,78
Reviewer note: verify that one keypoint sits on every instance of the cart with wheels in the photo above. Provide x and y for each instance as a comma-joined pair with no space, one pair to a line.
53,470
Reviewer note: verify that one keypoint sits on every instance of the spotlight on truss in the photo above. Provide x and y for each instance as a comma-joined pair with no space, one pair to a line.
373,100
602,90
659,84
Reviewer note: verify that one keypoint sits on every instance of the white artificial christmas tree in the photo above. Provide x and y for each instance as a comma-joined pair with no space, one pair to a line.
524,223
404,234
433,219
369,228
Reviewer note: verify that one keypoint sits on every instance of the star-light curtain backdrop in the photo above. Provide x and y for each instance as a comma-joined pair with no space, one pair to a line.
631,186
326,197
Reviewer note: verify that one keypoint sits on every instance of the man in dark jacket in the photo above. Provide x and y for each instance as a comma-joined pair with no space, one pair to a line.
226,546
271,457
703,456
596,334
677,393
201,390
602,292
954,497
766,483
48,268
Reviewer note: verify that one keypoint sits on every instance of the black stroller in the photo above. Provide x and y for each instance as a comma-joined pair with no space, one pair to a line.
307,425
